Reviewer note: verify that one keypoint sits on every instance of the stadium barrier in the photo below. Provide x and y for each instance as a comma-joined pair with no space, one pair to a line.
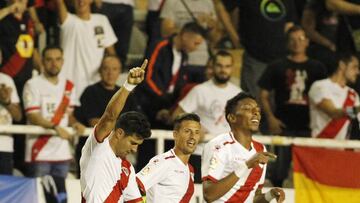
162,135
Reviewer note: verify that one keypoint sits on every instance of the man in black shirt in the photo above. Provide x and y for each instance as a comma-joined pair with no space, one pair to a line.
262,25
290,79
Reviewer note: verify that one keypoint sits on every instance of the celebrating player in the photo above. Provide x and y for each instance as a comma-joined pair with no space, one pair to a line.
233,164
106,176
169,177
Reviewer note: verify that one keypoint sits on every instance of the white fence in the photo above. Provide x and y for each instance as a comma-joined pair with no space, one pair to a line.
161,135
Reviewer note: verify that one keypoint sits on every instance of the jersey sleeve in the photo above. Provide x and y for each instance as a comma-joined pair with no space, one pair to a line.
153,173
318,92
31,98
131,192
191,102
213,162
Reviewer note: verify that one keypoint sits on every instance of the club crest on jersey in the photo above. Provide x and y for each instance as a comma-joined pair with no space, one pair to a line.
145,171
125,171
213,163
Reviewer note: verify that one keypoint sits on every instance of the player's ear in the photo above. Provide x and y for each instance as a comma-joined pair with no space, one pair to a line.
175,134
231,118
120,133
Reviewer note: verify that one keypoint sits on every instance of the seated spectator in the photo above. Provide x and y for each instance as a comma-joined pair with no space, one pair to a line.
166,74
48,102
208,100
332,102
9,110
289,79
85,38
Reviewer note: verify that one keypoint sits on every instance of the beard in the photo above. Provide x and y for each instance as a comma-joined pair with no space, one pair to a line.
221,80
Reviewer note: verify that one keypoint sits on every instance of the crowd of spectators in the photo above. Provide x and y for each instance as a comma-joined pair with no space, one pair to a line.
300,63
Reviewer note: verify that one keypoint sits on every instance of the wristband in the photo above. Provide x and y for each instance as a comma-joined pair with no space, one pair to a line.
129,87
268,196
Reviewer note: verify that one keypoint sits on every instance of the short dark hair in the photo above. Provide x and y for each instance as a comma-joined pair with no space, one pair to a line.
334,62
232,103
51,47
134,123
185,117
194,27
222,53
293,29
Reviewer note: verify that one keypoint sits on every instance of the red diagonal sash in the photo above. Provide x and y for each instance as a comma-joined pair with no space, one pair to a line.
59,113
190,190
121,184
243,192
336,124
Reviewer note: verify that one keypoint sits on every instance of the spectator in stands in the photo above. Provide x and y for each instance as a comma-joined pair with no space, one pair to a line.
264,40
332,102
169,177
17,40
320,26
48,102
208,100
85,37
289,78
166,74
175,14
121,16
10,109
233,164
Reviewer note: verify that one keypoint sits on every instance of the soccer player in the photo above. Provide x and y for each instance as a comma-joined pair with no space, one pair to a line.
234,165
169,177
106,175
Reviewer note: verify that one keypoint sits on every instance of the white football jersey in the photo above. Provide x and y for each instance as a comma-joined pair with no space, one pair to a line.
105,177
44,97
322,125
222,156
167,179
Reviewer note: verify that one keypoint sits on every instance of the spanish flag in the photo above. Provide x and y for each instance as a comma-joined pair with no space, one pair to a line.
326,175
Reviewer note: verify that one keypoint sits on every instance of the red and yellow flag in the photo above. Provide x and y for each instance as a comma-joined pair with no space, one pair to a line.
326,175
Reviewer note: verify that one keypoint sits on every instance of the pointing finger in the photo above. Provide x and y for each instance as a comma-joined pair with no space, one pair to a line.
270,155
144,64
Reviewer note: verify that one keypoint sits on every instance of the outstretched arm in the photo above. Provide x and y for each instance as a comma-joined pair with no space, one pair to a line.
62,11
108,119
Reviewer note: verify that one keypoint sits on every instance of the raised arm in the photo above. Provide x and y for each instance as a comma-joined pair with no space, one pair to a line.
62,11
343,7
108,119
